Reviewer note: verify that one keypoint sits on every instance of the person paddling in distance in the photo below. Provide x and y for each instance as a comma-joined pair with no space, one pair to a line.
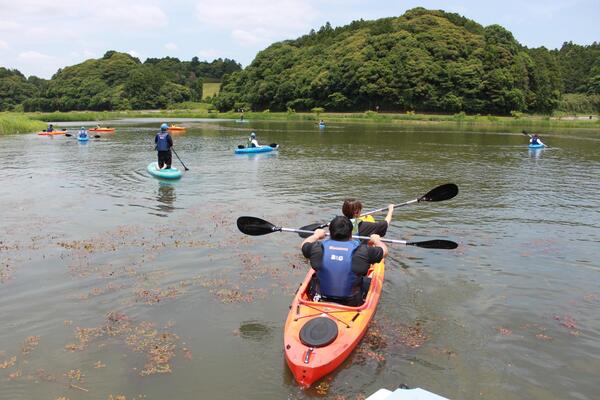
50,128
535,139
164,143
252,142
352,209
341,264
83,132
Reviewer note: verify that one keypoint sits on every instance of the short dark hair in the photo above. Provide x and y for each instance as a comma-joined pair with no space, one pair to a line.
340,228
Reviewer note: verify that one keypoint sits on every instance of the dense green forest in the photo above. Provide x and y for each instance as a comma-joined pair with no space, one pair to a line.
425,60
117,81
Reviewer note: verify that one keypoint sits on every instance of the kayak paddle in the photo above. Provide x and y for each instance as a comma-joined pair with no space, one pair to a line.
254,226
524,132
440,193
186,168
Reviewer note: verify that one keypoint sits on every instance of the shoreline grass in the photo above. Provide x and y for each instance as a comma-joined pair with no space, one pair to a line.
197,110
11,123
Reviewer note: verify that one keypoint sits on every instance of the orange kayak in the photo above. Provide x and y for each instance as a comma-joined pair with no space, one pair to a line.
319,336
101,130
176,129
44,133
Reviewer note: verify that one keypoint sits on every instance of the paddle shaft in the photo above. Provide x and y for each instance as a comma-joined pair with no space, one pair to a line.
186,168
353,236
385,208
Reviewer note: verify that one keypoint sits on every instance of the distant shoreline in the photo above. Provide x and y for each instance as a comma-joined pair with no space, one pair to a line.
11,123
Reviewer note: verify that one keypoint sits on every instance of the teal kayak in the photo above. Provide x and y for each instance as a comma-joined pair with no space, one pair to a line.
83,138
171,173
259,149
537,146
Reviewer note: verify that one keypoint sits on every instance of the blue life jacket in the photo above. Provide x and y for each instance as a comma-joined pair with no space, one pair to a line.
534,140
162,144
336,278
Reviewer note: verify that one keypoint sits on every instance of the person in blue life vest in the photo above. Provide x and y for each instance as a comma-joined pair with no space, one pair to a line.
164,143
83,133
341,263
535,139
252,142
50,128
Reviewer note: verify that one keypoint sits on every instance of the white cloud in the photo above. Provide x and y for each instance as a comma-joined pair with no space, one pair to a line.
3,45
171,46
251,38
32,56
133,16
281,17
8,26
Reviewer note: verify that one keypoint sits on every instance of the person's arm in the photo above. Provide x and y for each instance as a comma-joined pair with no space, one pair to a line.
156,139
318,235
170,141
376,241
388,217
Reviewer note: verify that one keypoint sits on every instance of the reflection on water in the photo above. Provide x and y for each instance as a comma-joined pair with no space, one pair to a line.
166,196
121,284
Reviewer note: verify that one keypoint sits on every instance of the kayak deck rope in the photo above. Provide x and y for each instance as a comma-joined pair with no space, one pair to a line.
320,312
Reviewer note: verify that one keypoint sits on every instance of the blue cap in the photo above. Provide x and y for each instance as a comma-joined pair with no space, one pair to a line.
164,127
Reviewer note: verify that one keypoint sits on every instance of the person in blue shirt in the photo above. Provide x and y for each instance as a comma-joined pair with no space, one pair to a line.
341,263
535,139
50,128
83,133
163,142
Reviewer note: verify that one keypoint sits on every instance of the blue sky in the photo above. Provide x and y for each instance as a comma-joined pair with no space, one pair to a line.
39,36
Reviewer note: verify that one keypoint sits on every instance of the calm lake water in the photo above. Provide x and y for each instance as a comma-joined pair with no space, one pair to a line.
115,283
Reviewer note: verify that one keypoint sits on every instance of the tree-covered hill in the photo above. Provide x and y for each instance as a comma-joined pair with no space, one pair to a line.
424,60
114,82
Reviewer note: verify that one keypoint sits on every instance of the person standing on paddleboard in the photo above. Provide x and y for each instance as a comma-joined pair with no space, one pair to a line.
341,263
352,209
163,142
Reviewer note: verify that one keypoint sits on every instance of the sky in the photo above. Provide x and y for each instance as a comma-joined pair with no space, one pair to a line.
39,36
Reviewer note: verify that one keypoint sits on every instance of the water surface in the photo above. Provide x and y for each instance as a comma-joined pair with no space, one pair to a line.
116,283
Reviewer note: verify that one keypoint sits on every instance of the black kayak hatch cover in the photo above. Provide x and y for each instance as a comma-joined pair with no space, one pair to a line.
318,332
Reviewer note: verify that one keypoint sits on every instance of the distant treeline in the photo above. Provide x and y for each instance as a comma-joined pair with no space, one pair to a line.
117,81
428,61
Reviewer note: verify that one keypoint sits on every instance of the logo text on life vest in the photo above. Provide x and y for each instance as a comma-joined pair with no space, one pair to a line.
338,248
337,258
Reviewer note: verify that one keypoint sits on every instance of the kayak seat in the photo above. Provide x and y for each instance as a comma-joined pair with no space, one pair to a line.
318,332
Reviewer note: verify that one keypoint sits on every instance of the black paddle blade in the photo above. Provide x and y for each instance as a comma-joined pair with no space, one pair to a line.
524,132
311,227
241,146
273,145
97,136
435,244
66,134
255,226
440,193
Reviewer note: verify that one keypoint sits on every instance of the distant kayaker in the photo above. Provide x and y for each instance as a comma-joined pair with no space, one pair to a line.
252,142
83,132
164,142
50,128
341,263
242,116
352,209
535,139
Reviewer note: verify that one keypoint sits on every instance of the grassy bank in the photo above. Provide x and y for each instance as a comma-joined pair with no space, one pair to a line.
199,110
18,123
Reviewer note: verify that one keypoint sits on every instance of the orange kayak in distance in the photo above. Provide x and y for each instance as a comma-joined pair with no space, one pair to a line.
319,336
176,129
109,130
44,133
